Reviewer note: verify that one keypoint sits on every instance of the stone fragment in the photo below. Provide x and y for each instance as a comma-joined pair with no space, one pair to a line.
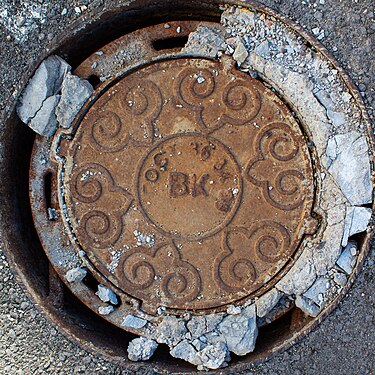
206,41
233,310
340,279
347,259
265,303
106,294
141,349
356,221
316,292
263,49
240,331
44,122
46,82
349,164
240,54
132,321
184,350
171,331
76,274
307,306
300,276
105,310
74,93
213,356
197,326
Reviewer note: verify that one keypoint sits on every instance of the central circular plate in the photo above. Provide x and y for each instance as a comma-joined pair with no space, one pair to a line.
189,185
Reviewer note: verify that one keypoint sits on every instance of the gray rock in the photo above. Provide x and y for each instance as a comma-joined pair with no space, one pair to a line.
356,221
106,294
263,49
197,326
240,54
213,356
171,331
316,292
105,310
76,274
132,321
340,279
74,93
240,331
347,259
349,164
307,306
184,350
206,41
141,349
234,310
46,82
44,122
267,302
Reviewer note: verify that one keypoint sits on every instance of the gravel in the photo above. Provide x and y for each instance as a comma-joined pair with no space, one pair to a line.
343,343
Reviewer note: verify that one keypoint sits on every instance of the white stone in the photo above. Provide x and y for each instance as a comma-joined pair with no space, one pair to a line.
347,260
350,167
233,310
206,41
265,303
74,93
214,356
356,221
46,82
44,122
240,53
171,331
105,310
319,288
132,321
76,274
141,349
186,351
106,294
307,306
240,332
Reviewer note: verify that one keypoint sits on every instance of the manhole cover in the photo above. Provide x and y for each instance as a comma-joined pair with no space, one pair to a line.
198,175
212,188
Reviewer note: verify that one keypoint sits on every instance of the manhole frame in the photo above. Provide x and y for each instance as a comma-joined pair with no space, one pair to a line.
12,242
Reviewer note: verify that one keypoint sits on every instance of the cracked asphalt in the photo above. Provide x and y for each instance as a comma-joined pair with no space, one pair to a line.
342,344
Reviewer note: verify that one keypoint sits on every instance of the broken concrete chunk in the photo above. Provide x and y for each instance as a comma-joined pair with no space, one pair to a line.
234,310
347,259
350,166
184,350
213,356
141,349
46,82
356,221
267,302
105,310
316,292
74,93
240,331
307,306
76,274
132,321
206,41
171,331
44,122
240,54
340,279
106,294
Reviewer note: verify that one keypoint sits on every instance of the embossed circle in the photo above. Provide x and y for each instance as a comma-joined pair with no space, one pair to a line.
189,186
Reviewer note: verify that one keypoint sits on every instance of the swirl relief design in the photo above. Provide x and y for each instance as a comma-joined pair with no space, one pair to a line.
188,184
160,275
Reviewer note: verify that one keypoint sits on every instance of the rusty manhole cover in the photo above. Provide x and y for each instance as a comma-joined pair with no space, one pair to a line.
197,176
210,193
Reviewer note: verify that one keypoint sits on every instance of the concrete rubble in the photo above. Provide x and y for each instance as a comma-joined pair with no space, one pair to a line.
132,321
106,294
53,97
141,349
76,274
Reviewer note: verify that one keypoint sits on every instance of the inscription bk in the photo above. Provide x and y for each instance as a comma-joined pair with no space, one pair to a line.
189,186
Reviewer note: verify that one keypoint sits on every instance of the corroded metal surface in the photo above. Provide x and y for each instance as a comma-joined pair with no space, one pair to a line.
189,185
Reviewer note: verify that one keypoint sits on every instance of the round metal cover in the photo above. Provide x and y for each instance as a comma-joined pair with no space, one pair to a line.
197,176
